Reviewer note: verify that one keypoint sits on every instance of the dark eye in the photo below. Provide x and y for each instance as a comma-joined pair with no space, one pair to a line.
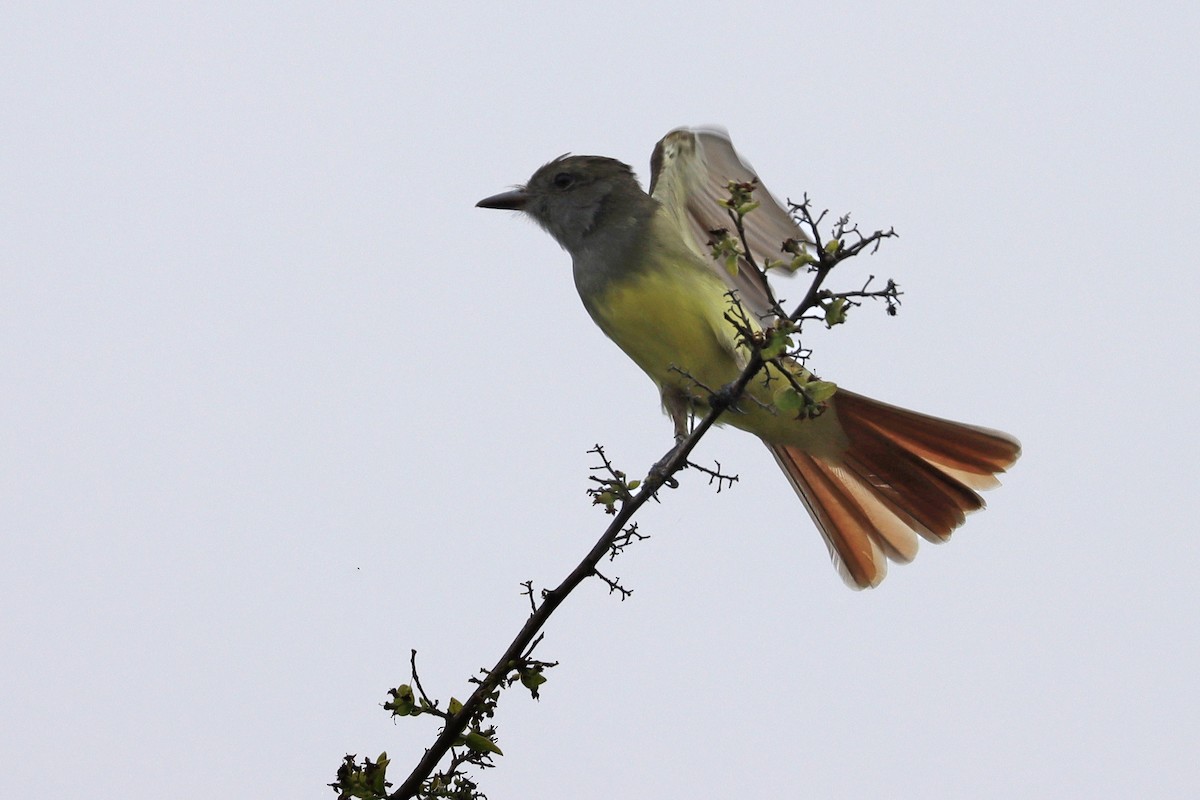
563,180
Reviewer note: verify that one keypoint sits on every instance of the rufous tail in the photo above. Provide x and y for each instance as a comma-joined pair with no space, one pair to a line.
902,474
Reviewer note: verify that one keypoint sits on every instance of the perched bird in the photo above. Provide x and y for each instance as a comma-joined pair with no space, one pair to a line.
873,476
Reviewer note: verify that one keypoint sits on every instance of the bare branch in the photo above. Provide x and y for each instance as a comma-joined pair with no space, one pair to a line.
715,475
614,585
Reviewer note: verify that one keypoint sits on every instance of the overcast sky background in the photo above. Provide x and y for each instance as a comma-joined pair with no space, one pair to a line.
278,403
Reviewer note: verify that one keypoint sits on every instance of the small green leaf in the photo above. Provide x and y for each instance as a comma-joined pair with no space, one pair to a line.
455,705
368,782
633,485
801,261
835,311
480,743
820,391
832,246
788,399
531,679
402,703
377,777
776,345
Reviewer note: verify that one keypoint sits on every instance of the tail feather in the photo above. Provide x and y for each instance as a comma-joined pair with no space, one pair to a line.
900,475
846,527
932,502
972,453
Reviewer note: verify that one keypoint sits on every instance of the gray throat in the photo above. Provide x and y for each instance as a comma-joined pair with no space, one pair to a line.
613,250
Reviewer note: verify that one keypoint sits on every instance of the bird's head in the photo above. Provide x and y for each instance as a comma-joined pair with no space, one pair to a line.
575,197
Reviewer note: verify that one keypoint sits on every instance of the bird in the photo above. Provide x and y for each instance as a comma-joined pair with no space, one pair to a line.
874,477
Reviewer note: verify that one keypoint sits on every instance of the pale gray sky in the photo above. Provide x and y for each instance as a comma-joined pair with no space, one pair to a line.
280,404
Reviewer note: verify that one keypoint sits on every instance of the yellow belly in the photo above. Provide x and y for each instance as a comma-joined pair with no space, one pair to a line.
671,322
670,319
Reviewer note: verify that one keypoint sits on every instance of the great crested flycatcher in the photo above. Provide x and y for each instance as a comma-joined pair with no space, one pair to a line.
873,476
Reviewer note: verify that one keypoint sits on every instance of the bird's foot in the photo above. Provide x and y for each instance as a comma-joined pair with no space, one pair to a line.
660,469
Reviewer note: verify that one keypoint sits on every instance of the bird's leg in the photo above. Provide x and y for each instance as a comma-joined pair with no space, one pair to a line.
679,406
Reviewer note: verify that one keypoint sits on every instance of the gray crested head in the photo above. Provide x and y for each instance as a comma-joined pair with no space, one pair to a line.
584,202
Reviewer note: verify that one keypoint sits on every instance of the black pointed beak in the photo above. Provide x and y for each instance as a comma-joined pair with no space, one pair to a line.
512,201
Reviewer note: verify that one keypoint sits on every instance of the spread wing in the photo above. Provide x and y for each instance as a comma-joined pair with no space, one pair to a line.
688,175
